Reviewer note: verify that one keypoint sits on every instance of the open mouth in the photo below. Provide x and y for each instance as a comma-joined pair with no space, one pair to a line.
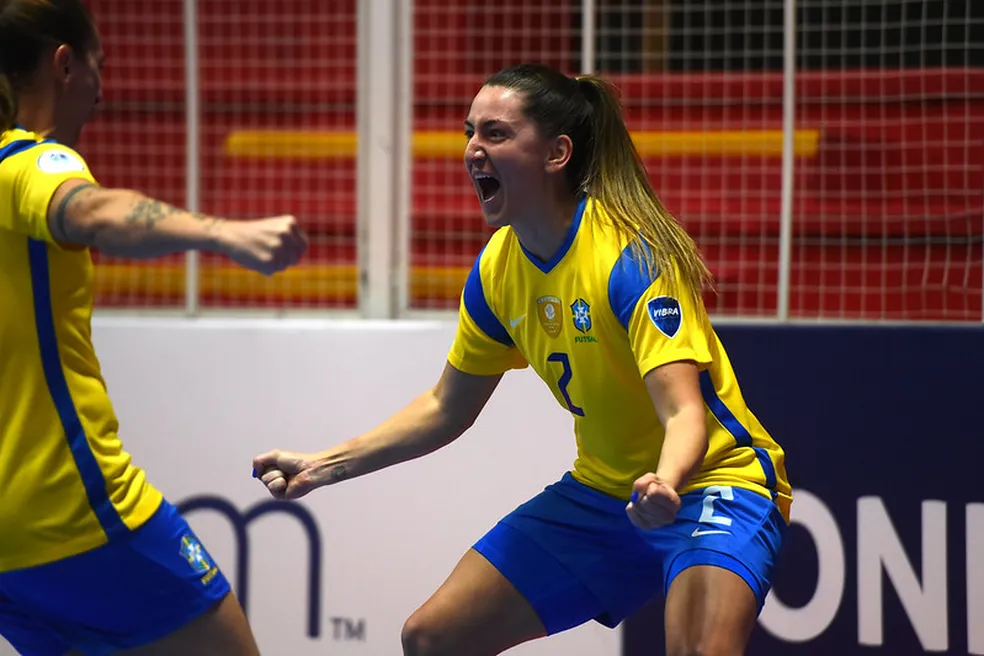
487,186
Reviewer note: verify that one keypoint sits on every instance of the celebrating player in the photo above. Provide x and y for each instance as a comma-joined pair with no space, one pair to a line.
677,488
93,559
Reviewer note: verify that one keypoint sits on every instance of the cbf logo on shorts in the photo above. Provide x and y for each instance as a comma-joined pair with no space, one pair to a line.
193,551
666,315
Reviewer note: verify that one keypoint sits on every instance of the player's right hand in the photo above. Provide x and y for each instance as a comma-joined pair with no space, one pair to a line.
286,474
264,245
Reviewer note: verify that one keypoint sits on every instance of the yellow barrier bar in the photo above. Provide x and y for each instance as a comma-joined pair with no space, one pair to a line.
313,282
300,144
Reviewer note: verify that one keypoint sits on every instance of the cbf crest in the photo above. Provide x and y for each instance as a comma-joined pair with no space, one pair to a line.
581,312
548,310
194,553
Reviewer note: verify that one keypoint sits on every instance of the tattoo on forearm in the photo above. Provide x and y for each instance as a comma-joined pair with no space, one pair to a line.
150,212
337,474
206,219
63,208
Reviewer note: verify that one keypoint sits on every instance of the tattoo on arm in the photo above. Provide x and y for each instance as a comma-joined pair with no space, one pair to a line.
63,208
149,213
206,219
338,474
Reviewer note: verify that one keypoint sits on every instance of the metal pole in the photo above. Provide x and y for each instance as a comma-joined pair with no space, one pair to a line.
401,273
587,36
788,156
192,130
376,173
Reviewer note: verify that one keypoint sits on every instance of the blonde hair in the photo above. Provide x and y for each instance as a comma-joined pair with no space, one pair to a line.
617,178
606,165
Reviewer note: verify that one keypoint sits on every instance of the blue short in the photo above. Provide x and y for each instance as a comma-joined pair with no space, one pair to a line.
575,556
124,594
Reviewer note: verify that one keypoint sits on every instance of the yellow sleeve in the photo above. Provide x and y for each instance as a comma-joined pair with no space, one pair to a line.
28,180
667,328
662,328
482,346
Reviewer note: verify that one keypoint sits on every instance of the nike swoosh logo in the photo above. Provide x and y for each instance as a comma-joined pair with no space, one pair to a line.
697,532
514,322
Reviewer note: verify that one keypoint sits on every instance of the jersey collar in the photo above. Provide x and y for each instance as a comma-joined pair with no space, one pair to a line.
548,266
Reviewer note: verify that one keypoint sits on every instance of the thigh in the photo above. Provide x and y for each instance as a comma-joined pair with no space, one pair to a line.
476,612
129,593
222,629
709,610
722,553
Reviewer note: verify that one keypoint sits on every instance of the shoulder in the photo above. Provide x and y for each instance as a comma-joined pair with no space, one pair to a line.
625,262
31,154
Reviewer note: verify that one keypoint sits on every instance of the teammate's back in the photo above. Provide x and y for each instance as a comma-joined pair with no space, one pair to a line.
93,559
64,478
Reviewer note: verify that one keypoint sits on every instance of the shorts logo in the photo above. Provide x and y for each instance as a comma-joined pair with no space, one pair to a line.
193,551
59,161
582,315
548,311
666,315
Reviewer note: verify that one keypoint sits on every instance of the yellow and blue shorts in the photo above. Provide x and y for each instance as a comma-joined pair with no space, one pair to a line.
129,592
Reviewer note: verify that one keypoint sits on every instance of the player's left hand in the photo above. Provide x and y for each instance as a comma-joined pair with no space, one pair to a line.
654,503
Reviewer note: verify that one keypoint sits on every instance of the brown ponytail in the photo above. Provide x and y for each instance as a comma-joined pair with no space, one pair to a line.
617,178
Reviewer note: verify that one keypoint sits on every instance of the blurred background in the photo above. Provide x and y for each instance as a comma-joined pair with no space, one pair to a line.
858,139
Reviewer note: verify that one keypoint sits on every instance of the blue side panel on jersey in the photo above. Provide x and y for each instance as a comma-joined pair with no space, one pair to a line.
85,460
735,427
478,307
628,281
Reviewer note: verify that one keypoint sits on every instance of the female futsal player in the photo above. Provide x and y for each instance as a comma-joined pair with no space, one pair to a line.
677,488
92,559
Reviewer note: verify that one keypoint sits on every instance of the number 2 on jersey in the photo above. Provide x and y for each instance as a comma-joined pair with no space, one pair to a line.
565,380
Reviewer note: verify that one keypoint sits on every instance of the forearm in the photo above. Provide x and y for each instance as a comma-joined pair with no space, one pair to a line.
126,223
684,447
418,429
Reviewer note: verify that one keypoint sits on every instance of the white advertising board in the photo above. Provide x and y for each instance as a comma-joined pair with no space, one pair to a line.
197,399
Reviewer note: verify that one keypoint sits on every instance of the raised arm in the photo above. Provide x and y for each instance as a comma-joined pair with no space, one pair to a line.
126,223
432,420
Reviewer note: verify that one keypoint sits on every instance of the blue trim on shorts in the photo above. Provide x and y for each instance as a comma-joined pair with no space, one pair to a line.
121,595
571,537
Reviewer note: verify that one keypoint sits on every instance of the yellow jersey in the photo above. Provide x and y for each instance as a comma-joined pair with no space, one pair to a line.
66,485
592,323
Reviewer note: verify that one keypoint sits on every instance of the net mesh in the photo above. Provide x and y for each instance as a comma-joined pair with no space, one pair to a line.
276,136
888,213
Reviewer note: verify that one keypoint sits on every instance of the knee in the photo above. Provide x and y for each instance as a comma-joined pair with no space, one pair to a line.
422,637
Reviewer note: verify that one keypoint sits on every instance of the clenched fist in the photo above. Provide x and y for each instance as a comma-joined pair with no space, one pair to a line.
654,503
264,245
